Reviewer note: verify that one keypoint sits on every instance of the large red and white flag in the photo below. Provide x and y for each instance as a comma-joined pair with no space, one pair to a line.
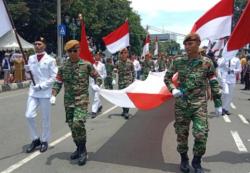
241,35
215,23
4,18
145,50
85,53
141,94
156,49
117,39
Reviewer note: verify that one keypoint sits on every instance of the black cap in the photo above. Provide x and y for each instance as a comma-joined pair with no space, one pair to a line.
41,39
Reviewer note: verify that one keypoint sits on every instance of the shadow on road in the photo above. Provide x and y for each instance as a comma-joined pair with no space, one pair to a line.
229,157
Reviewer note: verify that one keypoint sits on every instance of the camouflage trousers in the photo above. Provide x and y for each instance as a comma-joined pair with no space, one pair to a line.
108,82
185,112
76,118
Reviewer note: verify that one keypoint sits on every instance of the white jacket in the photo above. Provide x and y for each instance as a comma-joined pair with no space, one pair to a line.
228,69
101,70
44,73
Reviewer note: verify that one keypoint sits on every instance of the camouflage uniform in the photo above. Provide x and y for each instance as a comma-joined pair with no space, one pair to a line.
161,64
75,77
108,80
192,106
147,65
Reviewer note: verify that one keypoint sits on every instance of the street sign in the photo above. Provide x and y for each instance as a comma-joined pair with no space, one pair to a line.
62,29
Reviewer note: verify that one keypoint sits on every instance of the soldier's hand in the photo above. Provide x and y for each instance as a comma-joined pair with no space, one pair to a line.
52,100
176,93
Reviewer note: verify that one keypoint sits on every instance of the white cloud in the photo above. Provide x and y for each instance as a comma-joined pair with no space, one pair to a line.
155,6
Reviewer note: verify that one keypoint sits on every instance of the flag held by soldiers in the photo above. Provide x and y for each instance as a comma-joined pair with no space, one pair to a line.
4,18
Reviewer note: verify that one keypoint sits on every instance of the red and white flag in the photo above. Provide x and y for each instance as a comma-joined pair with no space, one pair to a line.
241,35
145,50
156,49
118,39
215,23
85,53
4,18
141,94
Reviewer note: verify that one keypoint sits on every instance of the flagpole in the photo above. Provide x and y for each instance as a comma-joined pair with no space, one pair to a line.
18,41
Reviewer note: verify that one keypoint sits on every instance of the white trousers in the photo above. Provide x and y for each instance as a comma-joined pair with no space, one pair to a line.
227,95
96,101
31,112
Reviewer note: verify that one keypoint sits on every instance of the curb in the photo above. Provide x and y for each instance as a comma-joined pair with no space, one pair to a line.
14,86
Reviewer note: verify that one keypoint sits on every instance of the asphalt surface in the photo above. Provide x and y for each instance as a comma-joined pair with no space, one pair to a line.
146,143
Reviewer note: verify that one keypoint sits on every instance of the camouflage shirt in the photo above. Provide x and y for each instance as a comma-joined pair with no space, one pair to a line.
147,65
75,77
194,76
161,64
126,73
109,69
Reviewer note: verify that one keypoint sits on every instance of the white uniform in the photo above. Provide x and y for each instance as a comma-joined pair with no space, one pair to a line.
228,68
101,69
44,73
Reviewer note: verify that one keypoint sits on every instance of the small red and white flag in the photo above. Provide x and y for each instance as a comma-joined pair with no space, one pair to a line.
241,35
118,39
145,50
4,18
85,53
215,23
156,49
141,94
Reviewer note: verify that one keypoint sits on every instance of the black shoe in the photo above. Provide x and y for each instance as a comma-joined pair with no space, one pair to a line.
184,166
223,112
99,109
126,116
248,99
35,143
75,155
82,159
244,89
227,112
93,115
196,163
44,147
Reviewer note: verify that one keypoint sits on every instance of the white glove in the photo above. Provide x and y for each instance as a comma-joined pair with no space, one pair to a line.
53,100
37,87
27,68
176,93
96,88
113,82
218,111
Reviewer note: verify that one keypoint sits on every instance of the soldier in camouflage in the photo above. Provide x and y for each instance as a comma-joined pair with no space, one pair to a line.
110,75
147,66
191,101
161,62
74,74
126,74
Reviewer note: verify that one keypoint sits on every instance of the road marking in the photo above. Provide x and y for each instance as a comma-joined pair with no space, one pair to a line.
243,119
226,119
37,153
232,105
238,141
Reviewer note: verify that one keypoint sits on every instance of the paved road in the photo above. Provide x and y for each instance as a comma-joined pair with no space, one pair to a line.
143,144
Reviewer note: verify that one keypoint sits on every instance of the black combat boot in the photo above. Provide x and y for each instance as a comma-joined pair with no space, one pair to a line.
184,166
196,163
75,154
82,154
126,114
35,143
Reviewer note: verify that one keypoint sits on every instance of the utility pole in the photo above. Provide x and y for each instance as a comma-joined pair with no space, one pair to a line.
59,39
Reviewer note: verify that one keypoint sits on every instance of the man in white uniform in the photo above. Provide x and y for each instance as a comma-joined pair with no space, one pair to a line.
229,67
101,69
43,68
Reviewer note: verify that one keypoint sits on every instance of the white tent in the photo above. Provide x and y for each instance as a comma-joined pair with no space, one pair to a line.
8,42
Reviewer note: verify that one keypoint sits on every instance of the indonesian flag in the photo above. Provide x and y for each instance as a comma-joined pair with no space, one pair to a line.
156,46
215,23
85,53
142,95
118,39
4,18
145,50
241,35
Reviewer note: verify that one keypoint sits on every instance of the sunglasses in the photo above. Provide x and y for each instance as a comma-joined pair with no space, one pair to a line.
72,50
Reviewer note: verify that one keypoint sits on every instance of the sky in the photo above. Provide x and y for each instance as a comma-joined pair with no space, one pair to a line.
172,15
